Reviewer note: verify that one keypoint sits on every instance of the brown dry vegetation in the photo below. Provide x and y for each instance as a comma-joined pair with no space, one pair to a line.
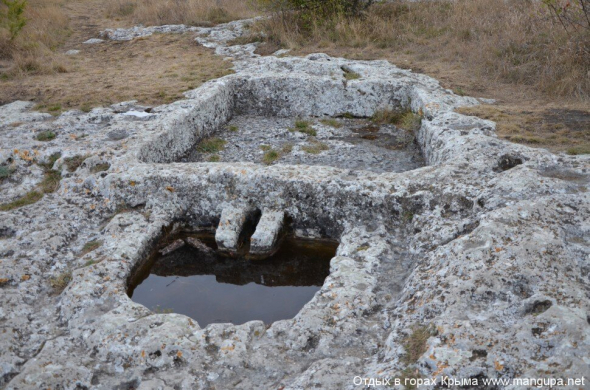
511,51
190,12
153,70
32,51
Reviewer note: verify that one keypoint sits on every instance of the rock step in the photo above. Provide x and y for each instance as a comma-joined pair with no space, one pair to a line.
231,224
266,237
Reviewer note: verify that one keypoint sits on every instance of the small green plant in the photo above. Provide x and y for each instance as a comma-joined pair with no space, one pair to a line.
45,136
86,107
50,161
303,127
347,115
459,91
29,198
73,163
407,216
50,182
315,147
89,263
5,172
332,123
577,150
265,147
54,108
214,158
350,75
405,119
415,343
362,248
162,310
90,246
270,156
233,129
12,17
211,145
61,281
411,121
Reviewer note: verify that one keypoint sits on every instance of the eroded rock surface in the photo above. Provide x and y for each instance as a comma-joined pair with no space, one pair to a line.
486,245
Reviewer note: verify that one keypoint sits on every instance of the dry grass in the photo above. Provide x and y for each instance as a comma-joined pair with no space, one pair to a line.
190,12
512,41
33,50
61,281
152,70
415,344
554,128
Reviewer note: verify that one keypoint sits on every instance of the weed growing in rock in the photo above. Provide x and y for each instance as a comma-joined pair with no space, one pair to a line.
331,122
405,119
233,129
162,310
90,246
286,148
5,172
265,147
303,127
214,158
315,147
350,75
49,184
415,343
45,136
576,150
270,156
211,145
61,281
29,198
73,163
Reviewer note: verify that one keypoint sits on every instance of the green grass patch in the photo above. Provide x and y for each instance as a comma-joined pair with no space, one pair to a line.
577,150
404,119
350,75
45,136
50,182
214,158
415,343
90,246
315,147
5,172
29,198
265,147
331,122
233,129
211,145
270,156
303,127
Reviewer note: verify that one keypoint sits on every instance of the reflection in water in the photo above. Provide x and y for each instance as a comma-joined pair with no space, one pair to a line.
214,289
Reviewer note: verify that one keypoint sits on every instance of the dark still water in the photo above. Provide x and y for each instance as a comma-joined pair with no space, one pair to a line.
211,288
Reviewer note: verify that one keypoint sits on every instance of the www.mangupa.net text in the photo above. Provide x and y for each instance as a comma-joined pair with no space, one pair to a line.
541,383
